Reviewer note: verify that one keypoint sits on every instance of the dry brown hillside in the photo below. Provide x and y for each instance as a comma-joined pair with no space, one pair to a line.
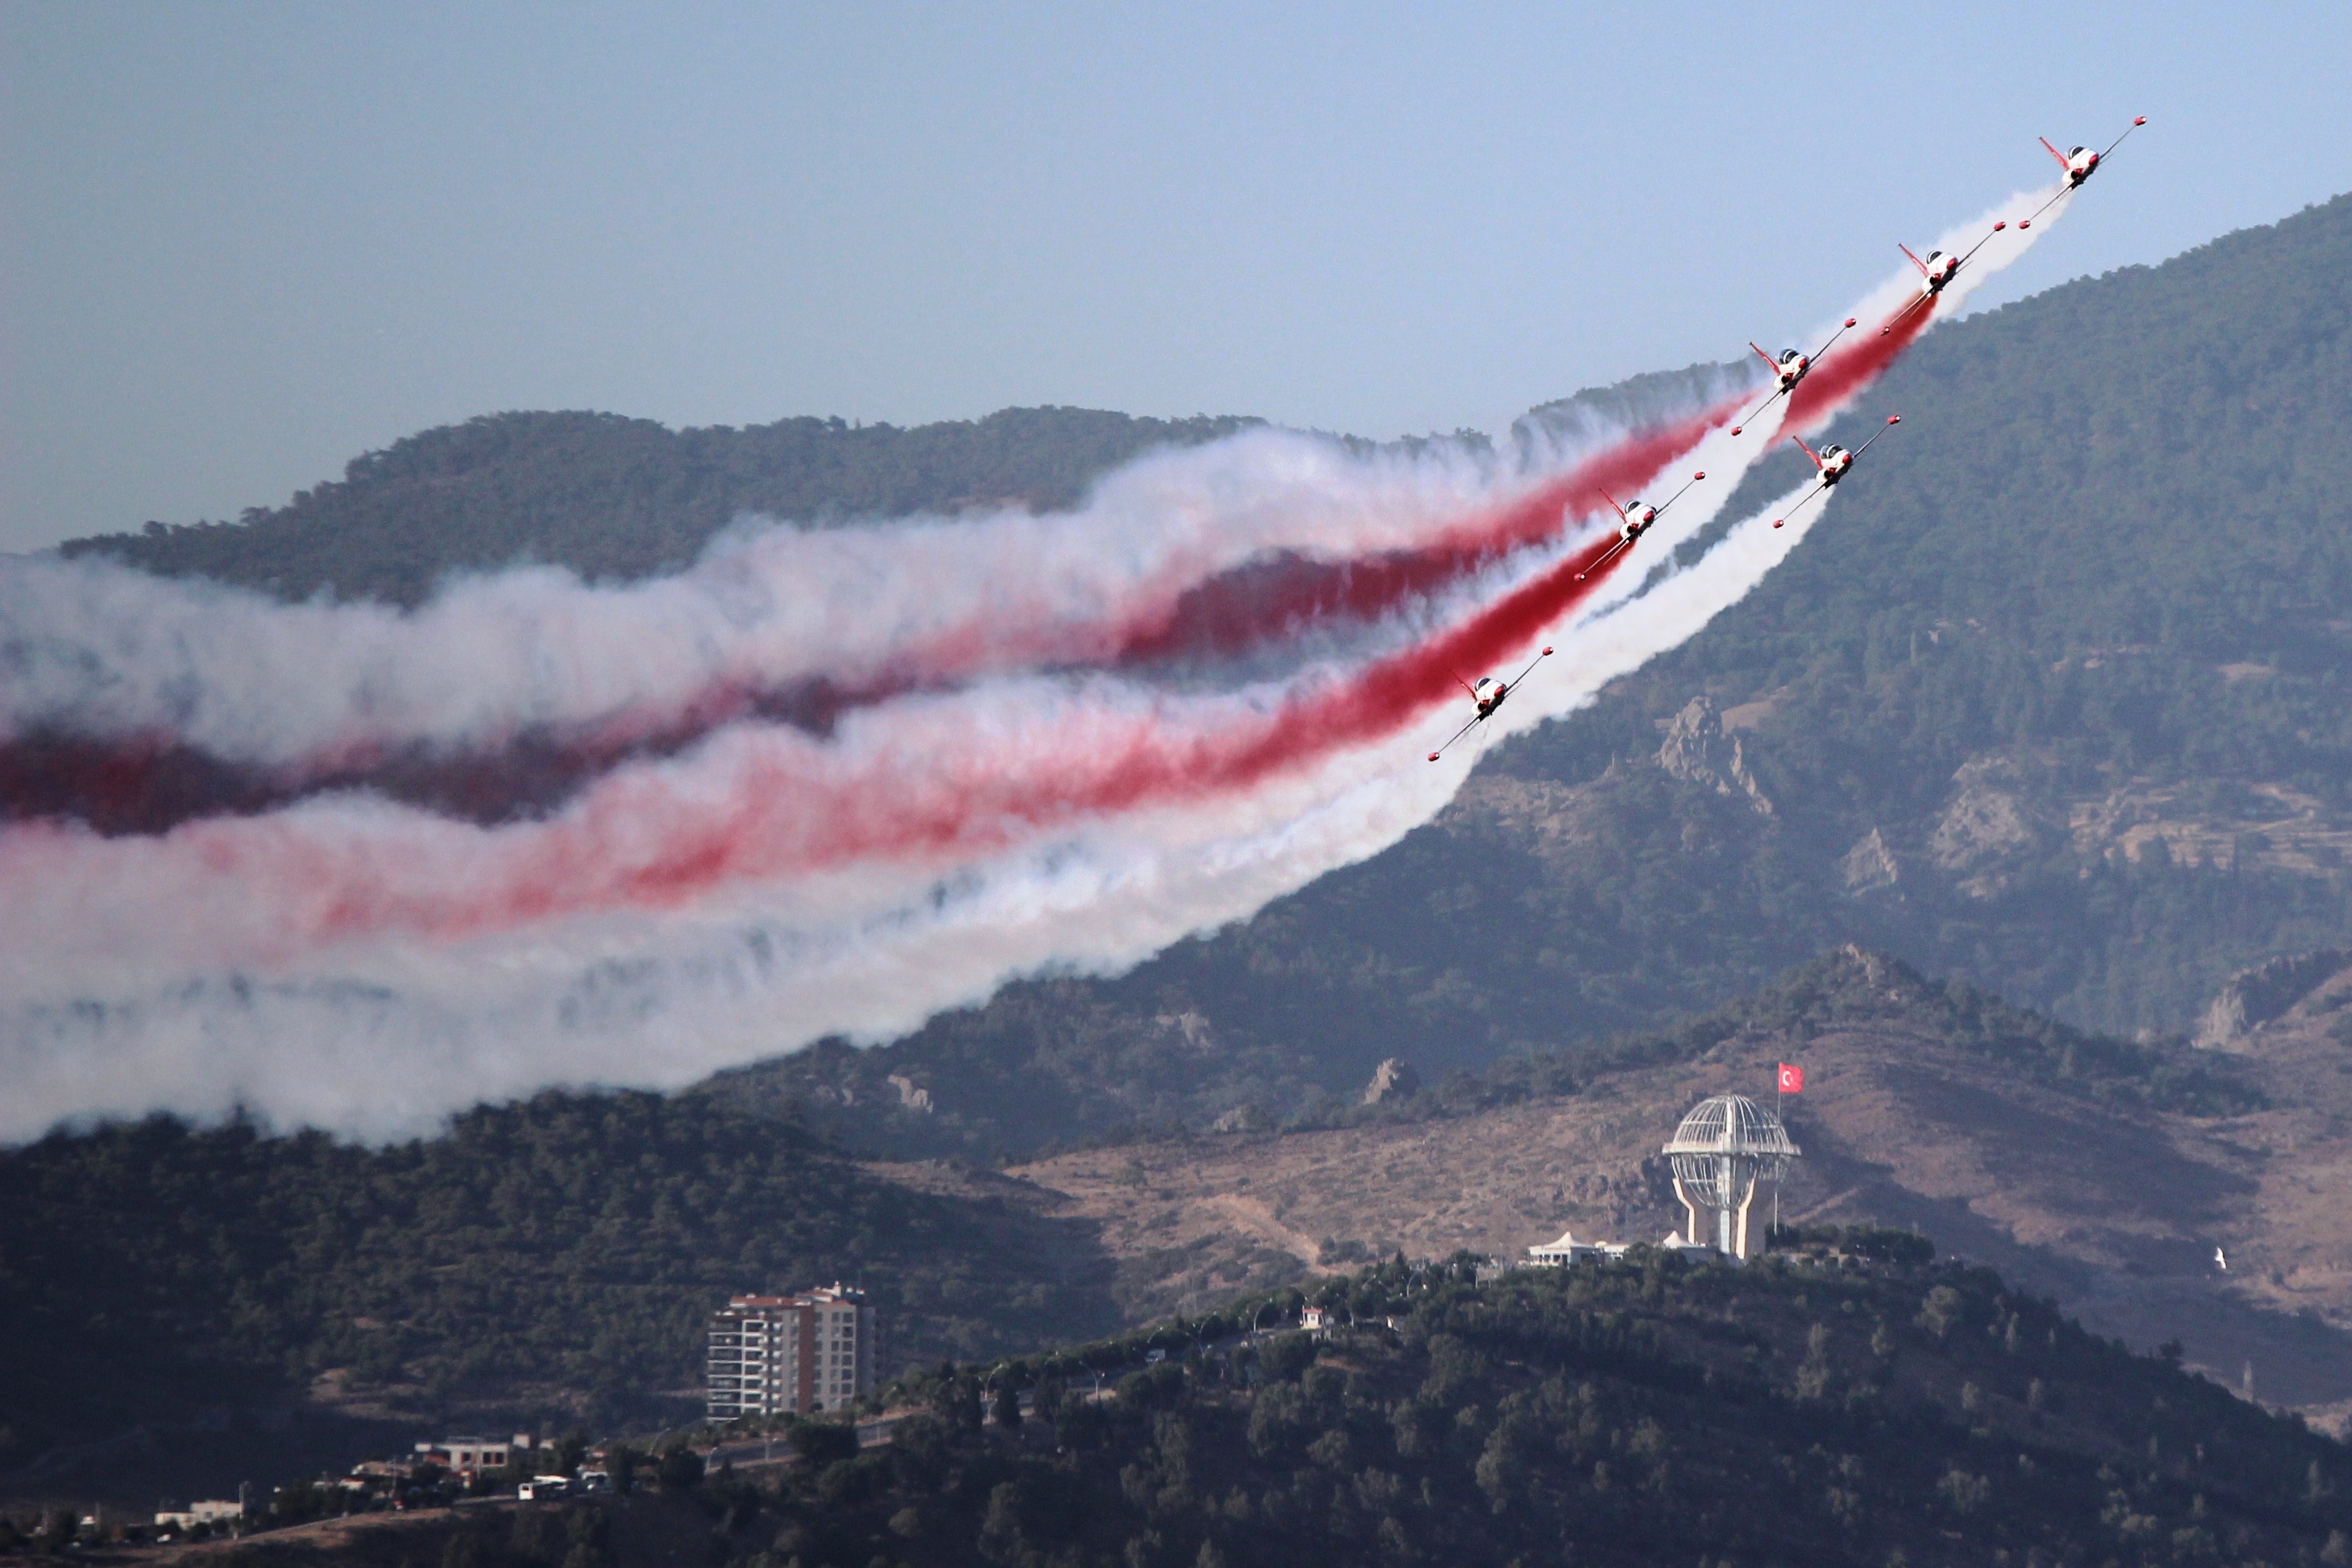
2111,1207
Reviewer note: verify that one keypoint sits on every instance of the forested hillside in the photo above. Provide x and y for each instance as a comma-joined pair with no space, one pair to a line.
553,1260
1848,1403
616,498
1634,1413
1092,1078
2058,698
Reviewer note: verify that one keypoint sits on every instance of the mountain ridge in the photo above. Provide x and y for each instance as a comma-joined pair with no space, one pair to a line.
2055,703
616,497
2033,708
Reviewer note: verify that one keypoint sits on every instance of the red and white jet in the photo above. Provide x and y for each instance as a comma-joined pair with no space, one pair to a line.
1487,696
1788,369
1937,270
1634,520
2080,166
1833,461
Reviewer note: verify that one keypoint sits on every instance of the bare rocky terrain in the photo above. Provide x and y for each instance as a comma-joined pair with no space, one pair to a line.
2115,1208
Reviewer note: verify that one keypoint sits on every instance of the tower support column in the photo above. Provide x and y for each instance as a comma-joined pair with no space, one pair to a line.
1725,1149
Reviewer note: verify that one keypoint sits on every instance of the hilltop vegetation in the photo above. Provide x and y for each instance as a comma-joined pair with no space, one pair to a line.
548,1260
2100,585
1826,1410
1050,1064
620,498
551,1262
1636,1413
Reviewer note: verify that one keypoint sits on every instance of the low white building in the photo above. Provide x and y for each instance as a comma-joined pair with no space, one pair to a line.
1568,1249
210,1511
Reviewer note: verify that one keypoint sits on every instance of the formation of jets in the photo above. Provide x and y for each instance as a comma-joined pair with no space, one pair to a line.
1938,268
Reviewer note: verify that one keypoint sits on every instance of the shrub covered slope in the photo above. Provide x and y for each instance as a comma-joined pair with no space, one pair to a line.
1636,1413
552,1259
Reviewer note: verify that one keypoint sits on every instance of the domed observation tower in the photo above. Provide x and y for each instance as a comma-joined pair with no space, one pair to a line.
1723,1150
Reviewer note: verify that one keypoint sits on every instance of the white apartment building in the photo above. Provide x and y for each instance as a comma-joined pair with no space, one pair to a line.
804,1354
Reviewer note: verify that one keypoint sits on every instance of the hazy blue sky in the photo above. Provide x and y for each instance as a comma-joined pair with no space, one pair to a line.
244,242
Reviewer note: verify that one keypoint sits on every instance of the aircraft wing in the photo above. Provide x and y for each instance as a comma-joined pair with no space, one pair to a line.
1457,735
1810,497
1623,543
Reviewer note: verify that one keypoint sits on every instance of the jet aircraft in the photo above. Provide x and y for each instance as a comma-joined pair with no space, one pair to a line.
1938,269
1487,696
1788,369
2080,166
1833,461
1634,520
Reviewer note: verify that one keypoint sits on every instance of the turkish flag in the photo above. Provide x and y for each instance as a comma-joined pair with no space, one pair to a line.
1792,1079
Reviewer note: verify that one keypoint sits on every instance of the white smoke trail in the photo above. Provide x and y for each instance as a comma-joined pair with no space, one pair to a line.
90,911
132,976
387,1038
92,649
1999,250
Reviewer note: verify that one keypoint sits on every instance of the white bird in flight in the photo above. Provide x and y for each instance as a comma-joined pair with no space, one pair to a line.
2224,1263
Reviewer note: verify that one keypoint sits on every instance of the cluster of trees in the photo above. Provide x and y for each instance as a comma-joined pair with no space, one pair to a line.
1845,1399
1054,1063
616,499
552,1258
1642,1411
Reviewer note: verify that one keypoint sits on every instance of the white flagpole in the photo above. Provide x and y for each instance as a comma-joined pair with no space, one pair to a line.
1781,1110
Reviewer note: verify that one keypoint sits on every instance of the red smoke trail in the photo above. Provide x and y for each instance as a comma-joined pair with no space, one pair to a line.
149,784
152,784
641,841
1238,610
1846,370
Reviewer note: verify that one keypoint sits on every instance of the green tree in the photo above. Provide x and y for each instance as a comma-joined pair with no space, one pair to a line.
680,1470
822,1442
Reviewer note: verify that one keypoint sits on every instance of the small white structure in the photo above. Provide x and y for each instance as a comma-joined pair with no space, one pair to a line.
1724,1149
471,1456
1568,1249
212,1510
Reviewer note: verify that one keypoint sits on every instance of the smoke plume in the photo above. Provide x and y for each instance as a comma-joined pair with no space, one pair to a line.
356,867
